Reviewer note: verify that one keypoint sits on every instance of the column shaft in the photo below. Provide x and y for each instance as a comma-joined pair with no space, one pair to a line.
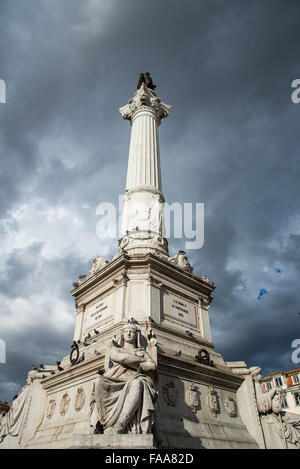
144,158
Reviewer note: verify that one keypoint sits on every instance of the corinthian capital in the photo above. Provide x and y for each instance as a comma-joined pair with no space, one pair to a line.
145,99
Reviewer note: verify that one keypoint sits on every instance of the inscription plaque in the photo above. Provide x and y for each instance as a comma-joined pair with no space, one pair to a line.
180,309
97,312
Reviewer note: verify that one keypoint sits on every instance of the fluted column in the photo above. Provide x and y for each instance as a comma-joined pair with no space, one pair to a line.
142,216
144,158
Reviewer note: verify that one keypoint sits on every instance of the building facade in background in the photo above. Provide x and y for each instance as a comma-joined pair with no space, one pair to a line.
289,384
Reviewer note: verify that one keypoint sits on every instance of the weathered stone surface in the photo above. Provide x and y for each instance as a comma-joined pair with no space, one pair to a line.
113,441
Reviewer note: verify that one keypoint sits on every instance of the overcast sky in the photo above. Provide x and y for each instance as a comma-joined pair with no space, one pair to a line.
231,142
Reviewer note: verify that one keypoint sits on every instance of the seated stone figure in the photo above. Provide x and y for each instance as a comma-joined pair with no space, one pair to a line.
280,428
124,394
12,422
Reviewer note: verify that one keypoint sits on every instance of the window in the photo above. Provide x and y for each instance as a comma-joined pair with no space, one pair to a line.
278,381
297,398
295,379
284,402
268,385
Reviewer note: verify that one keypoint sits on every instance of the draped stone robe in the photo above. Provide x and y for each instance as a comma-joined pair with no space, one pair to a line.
112,391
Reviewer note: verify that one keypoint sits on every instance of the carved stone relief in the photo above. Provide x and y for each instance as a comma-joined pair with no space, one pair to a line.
203,357
140,217
181,260
50,408
213,401
98,264
64,404
74,354
79,399
193,397
230,406
170,393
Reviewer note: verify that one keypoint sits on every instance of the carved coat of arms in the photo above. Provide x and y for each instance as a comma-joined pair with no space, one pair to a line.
50,408
231,407
213,401
64,404
193,397
170,393
79,399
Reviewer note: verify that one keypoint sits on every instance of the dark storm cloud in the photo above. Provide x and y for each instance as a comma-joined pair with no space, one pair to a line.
230,142
27,269
24,350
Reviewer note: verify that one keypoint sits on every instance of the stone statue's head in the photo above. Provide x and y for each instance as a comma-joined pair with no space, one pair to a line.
31,375
130,333
255,372
182,259
276,404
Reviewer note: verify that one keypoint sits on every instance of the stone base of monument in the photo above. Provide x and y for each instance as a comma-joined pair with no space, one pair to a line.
112,441
197,404
84,441
10,442
204,435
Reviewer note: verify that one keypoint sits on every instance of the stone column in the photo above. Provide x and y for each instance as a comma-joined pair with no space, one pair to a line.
144,162
142,216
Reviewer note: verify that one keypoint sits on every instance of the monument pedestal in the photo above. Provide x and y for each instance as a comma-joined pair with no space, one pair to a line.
197,404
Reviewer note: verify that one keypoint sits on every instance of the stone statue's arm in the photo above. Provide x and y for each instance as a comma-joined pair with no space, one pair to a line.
125,358
148,364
